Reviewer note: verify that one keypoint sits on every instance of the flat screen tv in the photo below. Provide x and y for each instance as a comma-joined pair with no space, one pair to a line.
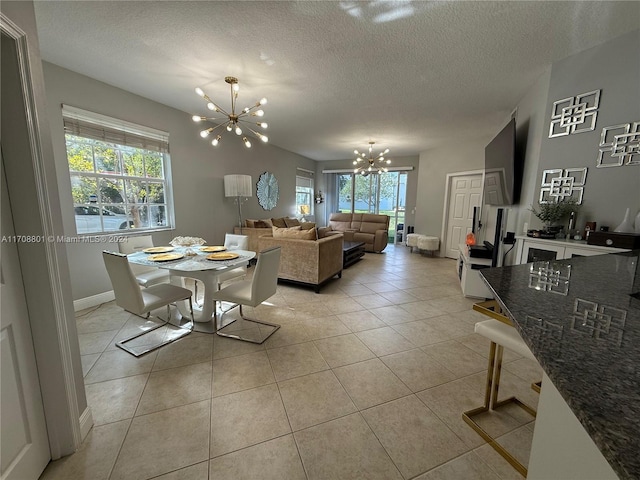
502,168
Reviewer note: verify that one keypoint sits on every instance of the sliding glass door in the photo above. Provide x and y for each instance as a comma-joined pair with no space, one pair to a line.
382,194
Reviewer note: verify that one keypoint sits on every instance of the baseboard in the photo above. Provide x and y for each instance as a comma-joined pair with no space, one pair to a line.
93,301
86,422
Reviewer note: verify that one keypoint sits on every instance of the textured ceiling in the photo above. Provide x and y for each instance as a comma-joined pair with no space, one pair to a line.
409,75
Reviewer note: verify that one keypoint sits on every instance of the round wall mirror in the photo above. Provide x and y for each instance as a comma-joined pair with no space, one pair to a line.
267,191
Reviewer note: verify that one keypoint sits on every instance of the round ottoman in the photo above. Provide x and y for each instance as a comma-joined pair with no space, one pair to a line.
412,240
431,244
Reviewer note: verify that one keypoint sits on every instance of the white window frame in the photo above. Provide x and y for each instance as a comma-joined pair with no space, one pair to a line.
304,180
96,127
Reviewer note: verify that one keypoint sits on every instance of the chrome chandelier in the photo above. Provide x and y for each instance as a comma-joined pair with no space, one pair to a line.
233,120
370,163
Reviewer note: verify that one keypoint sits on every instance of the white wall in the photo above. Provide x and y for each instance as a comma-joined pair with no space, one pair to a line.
34,196
613,67
435,164
197,170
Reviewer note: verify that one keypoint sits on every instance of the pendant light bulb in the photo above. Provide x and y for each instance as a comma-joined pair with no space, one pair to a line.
263,125
204,133
263,101
197,118
199,91
238,130
246,141
215,141
259,113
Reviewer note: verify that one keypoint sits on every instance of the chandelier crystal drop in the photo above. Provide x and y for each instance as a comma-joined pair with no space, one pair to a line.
368,163
233,122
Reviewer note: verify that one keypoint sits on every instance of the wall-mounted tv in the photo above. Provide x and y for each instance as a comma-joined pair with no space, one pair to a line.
502,168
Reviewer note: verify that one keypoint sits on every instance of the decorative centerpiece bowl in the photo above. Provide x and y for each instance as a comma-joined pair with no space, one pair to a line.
188,242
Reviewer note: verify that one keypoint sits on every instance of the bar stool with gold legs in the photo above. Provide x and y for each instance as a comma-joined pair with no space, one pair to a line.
502,335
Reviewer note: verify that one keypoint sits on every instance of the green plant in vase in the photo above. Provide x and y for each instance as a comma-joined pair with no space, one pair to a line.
552,213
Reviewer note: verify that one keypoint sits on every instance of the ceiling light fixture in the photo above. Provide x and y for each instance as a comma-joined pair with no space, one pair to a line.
366,164
232,122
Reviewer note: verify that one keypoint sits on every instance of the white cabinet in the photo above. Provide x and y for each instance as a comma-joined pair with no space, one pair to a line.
539,249
469,268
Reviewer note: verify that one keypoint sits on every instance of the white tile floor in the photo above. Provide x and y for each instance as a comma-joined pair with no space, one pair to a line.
367,379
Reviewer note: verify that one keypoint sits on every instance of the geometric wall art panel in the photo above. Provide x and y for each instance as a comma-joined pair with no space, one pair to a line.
559,185
574,114
619,145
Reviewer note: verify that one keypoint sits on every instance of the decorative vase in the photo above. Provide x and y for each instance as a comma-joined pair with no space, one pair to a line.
638,222
625,226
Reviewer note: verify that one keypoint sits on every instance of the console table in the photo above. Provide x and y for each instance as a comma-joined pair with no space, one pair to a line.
531,249
351,253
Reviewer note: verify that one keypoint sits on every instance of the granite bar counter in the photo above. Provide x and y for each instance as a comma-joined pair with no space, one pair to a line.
581,319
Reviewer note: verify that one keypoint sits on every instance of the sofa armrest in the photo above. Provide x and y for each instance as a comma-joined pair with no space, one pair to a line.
324,231
308,261
380,240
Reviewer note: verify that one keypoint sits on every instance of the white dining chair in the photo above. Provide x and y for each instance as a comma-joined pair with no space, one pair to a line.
234,242
142,301
145,276
252,293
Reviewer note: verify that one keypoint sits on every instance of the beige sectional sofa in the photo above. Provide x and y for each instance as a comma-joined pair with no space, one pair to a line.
254,232
308,262
371,229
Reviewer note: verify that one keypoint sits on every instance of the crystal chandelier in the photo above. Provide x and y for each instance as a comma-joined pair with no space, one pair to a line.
366,164
233,119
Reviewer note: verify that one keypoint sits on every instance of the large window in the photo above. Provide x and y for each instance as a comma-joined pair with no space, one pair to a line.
384,194
119,174
304,193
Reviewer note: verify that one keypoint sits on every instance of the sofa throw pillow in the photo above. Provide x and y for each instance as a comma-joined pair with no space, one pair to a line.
249,223
291,222
307,225
278,222
294,232
261,224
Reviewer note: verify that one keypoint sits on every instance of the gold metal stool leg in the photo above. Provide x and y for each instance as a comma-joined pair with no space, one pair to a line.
491,402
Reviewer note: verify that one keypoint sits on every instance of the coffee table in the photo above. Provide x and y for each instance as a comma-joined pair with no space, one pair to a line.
351,253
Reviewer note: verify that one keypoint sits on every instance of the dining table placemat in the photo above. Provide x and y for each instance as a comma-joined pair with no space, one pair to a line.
166,257
222,256
158,249
213,248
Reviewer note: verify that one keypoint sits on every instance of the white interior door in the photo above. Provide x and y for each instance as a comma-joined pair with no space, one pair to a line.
24,446
465,192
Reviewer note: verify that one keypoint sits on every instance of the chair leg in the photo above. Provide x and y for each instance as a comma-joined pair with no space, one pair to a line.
260,339
138,352
491,402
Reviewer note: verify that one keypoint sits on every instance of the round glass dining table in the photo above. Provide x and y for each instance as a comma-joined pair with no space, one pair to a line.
200,268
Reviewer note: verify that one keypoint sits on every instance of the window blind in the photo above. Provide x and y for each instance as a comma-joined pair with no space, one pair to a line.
304,182
100,127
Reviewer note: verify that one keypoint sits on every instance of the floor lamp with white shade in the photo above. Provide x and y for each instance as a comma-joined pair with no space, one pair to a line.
240,187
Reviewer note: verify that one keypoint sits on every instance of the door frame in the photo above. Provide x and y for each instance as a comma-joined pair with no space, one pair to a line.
445,211
46,276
